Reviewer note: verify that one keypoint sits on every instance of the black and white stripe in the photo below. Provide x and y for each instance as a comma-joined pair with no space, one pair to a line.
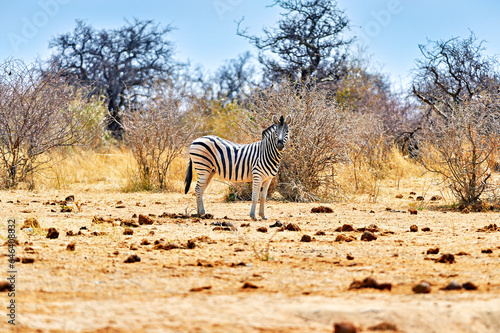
257,162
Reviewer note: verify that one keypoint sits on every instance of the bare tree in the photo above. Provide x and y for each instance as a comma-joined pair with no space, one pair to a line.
157,133
462,147
37,114
235,78
451,72
115,61
308,43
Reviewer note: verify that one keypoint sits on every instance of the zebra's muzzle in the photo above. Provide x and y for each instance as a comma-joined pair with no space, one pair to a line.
280,145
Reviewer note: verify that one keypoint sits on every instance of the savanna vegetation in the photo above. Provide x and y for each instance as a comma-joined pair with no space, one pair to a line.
114,108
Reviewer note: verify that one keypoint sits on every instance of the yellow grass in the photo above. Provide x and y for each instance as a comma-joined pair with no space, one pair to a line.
106,169
113,169
386,178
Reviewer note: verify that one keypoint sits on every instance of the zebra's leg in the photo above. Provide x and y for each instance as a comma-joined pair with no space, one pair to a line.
201,185
256,185
263,196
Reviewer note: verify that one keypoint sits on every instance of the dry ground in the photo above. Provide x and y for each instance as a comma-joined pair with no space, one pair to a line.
301,286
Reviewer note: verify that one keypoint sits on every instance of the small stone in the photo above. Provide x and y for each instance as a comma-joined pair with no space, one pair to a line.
306,238
344,238
399,196
128,231
71,246
145,241
320,233
413,228
70,198
222,229
487,251
426,229
249,285
262,229
372,228
469,286
347,227
5,286
344,327
433,251
423,287
191,244
27,260
420,198
447,258
52,233
143,219
368,236
412,211
321,209
349,257
292,227
132,259
277,224
453,285
370,282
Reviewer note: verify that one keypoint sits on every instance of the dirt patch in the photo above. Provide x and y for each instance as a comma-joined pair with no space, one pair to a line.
191,276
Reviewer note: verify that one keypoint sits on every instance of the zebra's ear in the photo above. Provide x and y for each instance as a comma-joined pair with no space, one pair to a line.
276,121
289,119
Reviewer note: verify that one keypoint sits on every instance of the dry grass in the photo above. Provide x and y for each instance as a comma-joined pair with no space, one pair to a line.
114,170
106,170
391,169
111,169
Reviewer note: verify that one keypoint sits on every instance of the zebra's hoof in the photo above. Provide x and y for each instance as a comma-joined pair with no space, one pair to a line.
263,217
253,217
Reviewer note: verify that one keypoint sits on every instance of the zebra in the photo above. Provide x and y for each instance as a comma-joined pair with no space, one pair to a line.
257,162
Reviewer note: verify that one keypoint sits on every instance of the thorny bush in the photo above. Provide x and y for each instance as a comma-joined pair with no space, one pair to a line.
38,113
319,137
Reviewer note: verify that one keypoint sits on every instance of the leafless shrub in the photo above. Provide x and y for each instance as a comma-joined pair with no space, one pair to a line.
319,138
38,113
462,148
157,133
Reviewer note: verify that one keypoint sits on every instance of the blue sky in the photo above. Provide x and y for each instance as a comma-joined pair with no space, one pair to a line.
206,30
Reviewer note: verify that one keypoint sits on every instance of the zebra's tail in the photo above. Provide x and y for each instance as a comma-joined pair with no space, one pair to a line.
189,176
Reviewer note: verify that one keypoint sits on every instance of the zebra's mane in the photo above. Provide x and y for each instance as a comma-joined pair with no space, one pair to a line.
268,131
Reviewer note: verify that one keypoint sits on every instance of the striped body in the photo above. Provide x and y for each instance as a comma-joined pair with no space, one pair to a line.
257,162
232,161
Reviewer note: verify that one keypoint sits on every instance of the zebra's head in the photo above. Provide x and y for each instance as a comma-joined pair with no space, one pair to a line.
281,133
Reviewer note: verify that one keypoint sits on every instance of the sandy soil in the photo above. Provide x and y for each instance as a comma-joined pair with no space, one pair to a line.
292,286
